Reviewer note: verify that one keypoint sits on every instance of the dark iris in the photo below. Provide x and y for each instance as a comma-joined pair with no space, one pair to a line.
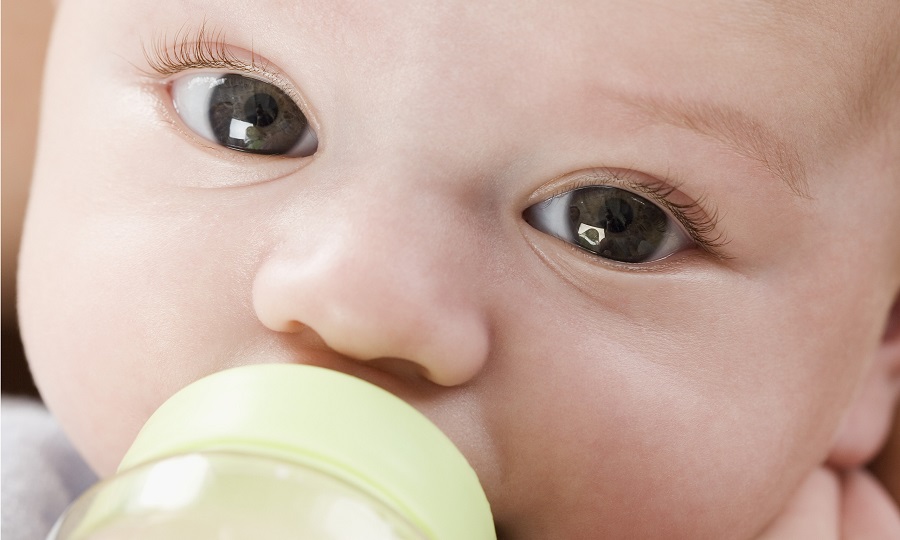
607,221
255,116
616,224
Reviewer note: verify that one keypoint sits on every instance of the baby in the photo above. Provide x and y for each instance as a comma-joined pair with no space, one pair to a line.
638,259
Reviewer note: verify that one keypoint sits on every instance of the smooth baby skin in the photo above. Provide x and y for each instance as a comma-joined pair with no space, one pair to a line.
687,397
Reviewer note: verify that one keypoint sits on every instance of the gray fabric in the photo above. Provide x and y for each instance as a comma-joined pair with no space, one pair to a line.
41,472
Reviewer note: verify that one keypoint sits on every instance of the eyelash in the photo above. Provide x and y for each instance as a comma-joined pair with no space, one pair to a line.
202,49
699,222
207,49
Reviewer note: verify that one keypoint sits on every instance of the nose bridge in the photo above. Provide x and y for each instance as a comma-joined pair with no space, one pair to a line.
380,275
395,234
372,252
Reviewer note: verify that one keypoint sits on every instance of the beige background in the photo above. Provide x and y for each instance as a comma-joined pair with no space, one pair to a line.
25,27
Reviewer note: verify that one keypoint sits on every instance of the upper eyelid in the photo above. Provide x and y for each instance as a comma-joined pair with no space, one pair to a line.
204,46
208,50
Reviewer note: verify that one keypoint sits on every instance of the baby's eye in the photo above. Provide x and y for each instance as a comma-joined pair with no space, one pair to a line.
243,113
610,222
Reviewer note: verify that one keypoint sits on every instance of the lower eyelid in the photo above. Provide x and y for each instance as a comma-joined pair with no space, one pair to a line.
167,112
242,113
582,267
216,166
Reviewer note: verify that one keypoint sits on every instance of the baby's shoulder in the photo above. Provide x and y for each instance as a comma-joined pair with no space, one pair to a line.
41,471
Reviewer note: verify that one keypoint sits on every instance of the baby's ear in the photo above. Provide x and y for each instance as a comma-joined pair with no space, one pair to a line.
868,422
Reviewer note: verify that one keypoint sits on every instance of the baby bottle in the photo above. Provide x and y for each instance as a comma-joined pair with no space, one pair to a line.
285,451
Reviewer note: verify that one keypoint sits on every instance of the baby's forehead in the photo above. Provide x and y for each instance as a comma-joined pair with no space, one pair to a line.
821,71
860,43
817,69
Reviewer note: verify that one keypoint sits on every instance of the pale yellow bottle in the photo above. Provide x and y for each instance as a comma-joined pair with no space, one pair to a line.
285,451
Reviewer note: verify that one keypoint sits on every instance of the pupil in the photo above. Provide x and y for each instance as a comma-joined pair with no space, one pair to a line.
574,213
619,215
261,110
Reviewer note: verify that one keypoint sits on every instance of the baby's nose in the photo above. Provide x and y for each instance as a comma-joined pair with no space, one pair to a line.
376,288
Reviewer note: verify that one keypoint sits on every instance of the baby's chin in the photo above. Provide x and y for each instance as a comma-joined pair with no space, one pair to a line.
684,520
102,459
102,448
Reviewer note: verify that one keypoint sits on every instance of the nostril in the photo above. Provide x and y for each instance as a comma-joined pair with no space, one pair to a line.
407,326
293,327
403,369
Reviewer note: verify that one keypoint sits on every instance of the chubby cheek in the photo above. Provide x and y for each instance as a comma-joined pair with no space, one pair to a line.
126,321
131,286
646,421
122,306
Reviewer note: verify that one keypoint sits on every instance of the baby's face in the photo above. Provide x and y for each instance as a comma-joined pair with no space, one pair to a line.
662,353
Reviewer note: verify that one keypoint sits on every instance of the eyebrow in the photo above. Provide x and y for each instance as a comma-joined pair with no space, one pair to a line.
731,126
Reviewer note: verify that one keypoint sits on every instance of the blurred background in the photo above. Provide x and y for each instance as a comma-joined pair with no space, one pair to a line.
25,28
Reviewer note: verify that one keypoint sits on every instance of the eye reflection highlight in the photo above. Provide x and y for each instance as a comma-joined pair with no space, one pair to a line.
591,235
